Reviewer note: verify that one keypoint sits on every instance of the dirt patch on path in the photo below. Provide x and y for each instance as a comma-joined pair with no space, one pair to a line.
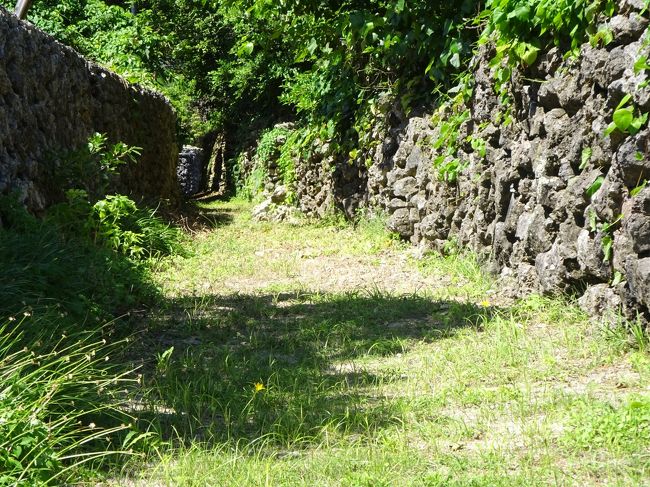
389,272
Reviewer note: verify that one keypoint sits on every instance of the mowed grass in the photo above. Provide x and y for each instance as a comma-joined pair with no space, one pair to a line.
327,354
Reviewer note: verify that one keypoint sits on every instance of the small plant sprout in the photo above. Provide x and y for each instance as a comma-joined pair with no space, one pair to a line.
163,359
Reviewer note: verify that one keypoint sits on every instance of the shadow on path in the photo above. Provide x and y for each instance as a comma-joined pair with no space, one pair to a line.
194,217
302,348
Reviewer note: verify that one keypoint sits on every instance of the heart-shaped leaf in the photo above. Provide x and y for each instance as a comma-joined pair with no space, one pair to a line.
623,118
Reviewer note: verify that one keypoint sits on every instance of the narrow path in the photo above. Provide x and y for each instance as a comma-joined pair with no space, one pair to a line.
329,355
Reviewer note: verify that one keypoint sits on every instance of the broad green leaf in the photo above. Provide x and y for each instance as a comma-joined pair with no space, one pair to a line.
521,13
430,65
610,129
593,222
618,279
623,118
624,101
526,52
368,27
637,123
503,75
455,61
639,188
591,11
246,49
607,242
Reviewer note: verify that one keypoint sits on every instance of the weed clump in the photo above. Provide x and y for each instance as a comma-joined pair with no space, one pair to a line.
62,398
60,403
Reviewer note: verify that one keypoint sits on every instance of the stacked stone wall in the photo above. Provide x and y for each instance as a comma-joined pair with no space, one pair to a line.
529,204
52,100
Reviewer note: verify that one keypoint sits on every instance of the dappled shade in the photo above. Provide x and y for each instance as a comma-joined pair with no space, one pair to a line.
301,346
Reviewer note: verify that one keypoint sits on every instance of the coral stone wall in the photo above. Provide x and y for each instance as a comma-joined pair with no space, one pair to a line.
52,100
550,202
528,206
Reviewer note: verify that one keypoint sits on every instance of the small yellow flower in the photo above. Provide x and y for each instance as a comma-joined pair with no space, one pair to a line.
259,387
485,303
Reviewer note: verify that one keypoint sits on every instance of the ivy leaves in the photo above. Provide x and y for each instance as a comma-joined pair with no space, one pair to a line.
520,28
624,118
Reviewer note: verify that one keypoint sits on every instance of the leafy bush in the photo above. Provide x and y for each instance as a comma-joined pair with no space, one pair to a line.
95,166
114,221
118,223
520,29
77,279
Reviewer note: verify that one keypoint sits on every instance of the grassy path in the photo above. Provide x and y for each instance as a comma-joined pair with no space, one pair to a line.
328,355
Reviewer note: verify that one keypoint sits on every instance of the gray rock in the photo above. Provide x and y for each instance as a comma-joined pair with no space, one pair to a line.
527,279
414,215
548,95
393,176
405,188
419,201
638,228
502,245
607,201
638,277
575,197
631,5
592,68
632,160
547,189
636,223
566,92
433,228
554,268
414,161
532,231
591,256
262,211
396,203
616,64
627,29
400,222
600,301
623,250
279,194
